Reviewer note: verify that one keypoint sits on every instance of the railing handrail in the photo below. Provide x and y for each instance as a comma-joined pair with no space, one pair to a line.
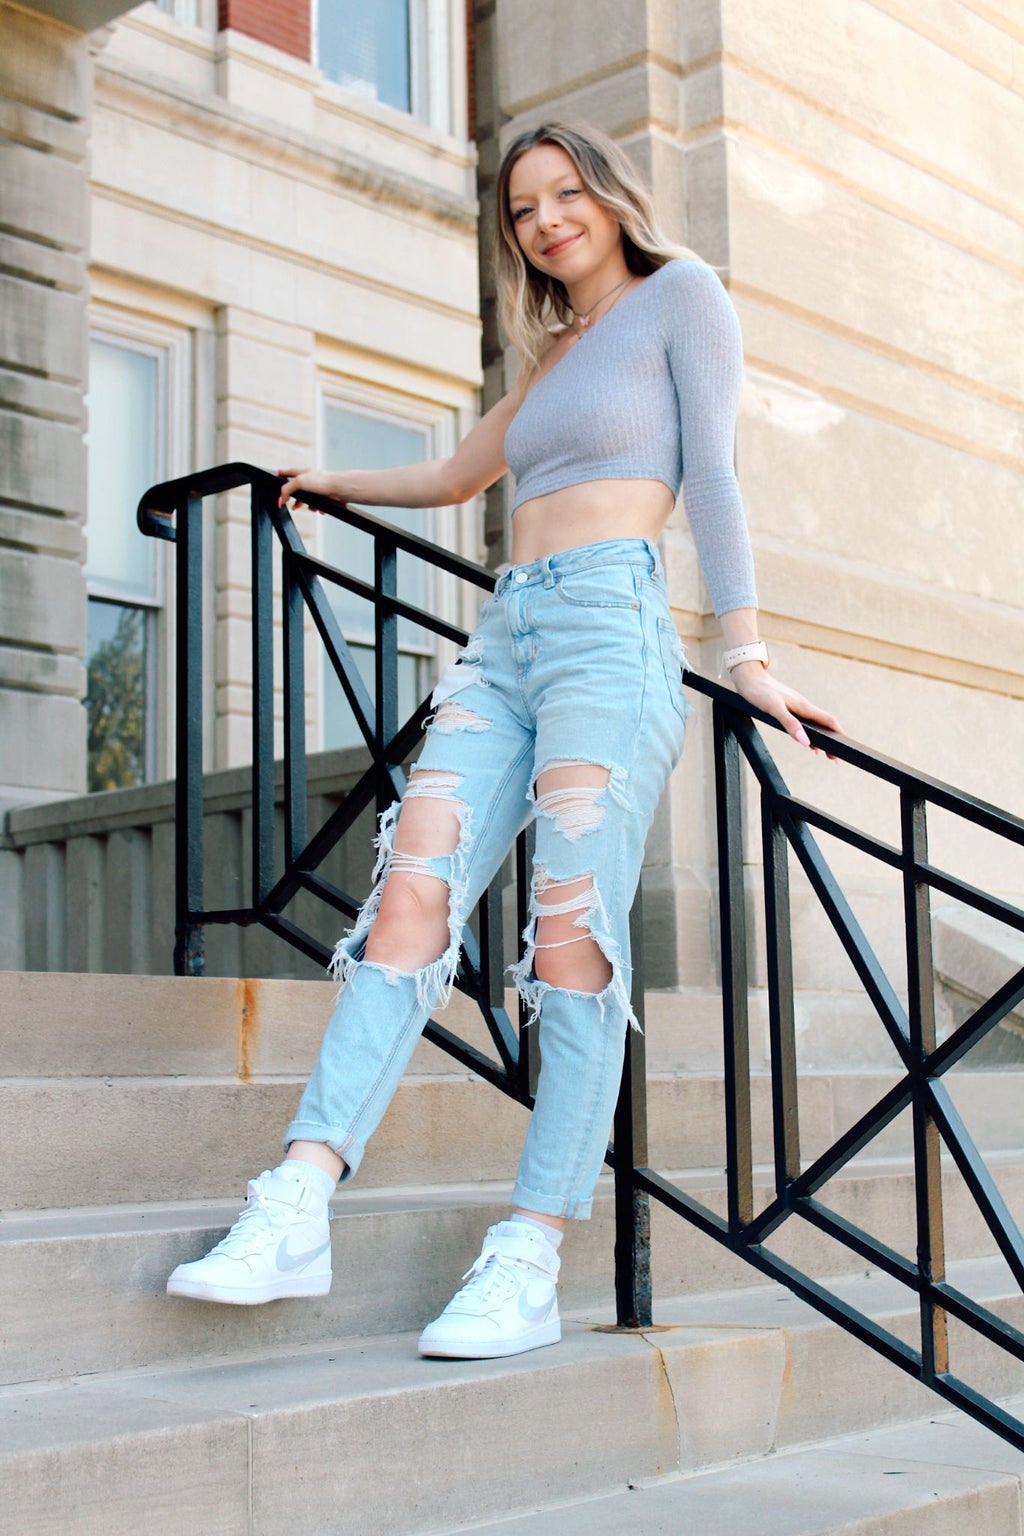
786,830
162,500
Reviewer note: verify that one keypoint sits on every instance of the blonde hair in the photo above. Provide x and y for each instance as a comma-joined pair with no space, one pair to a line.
530,300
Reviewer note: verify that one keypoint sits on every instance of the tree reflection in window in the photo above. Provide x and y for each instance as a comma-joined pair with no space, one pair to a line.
116,697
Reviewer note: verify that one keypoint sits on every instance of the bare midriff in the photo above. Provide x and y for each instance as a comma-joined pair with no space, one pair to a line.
587,514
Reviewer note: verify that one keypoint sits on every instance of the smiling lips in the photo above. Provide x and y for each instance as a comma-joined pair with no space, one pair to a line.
561,245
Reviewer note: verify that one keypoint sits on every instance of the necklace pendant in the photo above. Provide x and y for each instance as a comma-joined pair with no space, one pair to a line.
584,321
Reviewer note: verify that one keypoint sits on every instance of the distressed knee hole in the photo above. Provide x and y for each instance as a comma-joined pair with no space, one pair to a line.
572,794
430,822
413,923
566,954
453,715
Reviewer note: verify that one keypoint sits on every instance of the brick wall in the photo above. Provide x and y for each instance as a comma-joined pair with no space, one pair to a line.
282,24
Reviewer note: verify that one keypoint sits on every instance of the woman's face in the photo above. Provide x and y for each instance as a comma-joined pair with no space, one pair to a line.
562,230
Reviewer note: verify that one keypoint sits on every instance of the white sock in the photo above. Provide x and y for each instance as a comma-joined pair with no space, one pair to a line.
554,1235
294,1169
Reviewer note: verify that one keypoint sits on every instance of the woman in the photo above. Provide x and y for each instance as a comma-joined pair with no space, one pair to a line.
567,704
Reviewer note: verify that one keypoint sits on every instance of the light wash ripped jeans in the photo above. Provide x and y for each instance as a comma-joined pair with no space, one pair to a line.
575,660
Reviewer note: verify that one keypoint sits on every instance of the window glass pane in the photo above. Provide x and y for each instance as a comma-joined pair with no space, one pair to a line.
123,461
117,658
353,440
340,729
364,46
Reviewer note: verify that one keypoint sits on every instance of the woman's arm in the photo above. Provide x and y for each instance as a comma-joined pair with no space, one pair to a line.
757,685
477,462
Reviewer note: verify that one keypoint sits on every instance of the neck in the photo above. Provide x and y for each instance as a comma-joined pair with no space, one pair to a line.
591,289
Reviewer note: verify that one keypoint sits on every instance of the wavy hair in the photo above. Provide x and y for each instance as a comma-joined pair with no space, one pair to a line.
530,300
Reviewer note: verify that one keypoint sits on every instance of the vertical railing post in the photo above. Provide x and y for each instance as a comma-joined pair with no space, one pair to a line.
492,945
262,698
293,643
188,739
732,918
931,1260
781,1022
529,1055
385,630
633,1296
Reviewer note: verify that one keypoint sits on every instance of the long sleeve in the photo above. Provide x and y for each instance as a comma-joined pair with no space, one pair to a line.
702,336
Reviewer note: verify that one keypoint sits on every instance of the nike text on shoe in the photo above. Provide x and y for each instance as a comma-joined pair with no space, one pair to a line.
279,1246
509,1304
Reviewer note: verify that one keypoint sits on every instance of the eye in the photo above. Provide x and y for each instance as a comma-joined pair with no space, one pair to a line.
519,213
570,192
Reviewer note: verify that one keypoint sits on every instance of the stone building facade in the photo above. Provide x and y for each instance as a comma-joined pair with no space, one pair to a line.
281,247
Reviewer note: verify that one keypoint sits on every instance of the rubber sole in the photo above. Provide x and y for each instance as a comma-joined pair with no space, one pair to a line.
464,1349
294,1287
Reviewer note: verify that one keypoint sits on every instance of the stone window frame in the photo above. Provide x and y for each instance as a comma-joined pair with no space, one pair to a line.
173,345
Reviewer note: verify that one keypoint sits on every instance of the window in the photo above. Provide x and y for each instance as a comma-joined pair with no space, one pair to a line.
127,453
357,438
185,11
391,51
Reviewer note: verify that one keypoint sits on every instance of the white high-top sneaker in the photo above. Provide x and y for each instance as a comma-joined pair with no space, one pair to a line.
279,1246
510,1304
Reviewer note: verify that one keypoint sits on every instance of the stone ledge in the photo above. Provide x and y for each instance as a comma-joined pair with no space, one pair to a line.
259,138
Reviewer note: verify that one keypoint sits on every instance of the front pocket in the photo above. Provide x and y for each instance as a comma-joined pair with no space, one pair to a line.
606,586
673,659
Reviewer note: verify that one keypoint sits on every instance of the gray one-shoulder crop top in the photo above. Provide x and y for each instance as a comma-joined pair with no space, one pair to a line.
650,394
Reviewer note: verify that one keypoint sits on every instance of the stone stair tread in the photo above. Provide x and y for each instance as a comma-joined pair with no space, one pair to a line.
102,1270
105,1022
938,1477
874,1293
58,1222
388,1362
438,1129
727,1379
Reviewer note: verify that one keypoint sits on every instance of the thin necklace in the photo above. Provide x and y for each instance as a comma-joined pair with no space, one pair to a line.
583,320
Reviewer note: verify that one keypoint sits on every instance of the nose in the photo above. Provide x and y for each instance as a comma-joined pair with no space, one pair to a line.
549,215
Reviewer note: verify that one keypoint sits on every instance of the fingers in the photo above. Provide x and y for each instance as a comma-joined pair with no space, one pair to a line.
791,709
791,724
292,486
817,716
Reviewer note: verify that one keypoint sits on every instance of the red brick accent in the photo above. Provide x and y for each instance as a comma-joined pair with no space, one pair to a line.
471,67
282,24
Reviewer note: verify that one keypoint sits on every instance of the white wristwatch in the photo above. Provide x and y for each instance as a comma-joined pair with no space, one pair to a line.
756,650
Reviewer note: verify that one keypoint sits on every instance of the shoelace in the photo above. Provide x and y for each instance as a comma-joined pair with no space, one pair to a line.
256,1206
491,1272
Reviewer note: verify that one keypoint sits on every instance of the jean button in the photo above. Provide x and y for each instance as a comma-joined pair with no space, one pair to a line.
521,576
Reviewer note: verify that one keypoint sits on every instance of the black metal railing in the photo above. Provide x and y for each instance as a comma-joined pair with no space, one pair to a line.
788,824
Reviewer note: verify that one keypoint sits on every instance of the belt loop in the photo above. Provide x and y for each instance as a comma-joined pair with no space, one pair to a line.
652,550
549,575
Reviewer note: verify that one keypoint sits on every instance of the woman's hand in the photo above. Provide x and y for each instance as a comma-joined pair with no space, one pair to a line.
317,481
759,687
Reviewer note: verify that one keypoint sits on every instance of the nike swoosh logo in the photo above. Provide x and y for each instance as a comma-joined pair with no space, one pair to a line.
287,1260
530,1313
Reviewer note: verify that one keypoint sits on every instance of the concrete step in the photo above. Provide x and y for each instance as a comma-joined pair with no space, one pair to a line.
110,1140
940,1477
294,1442
81,1025
102,1271
122,1139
